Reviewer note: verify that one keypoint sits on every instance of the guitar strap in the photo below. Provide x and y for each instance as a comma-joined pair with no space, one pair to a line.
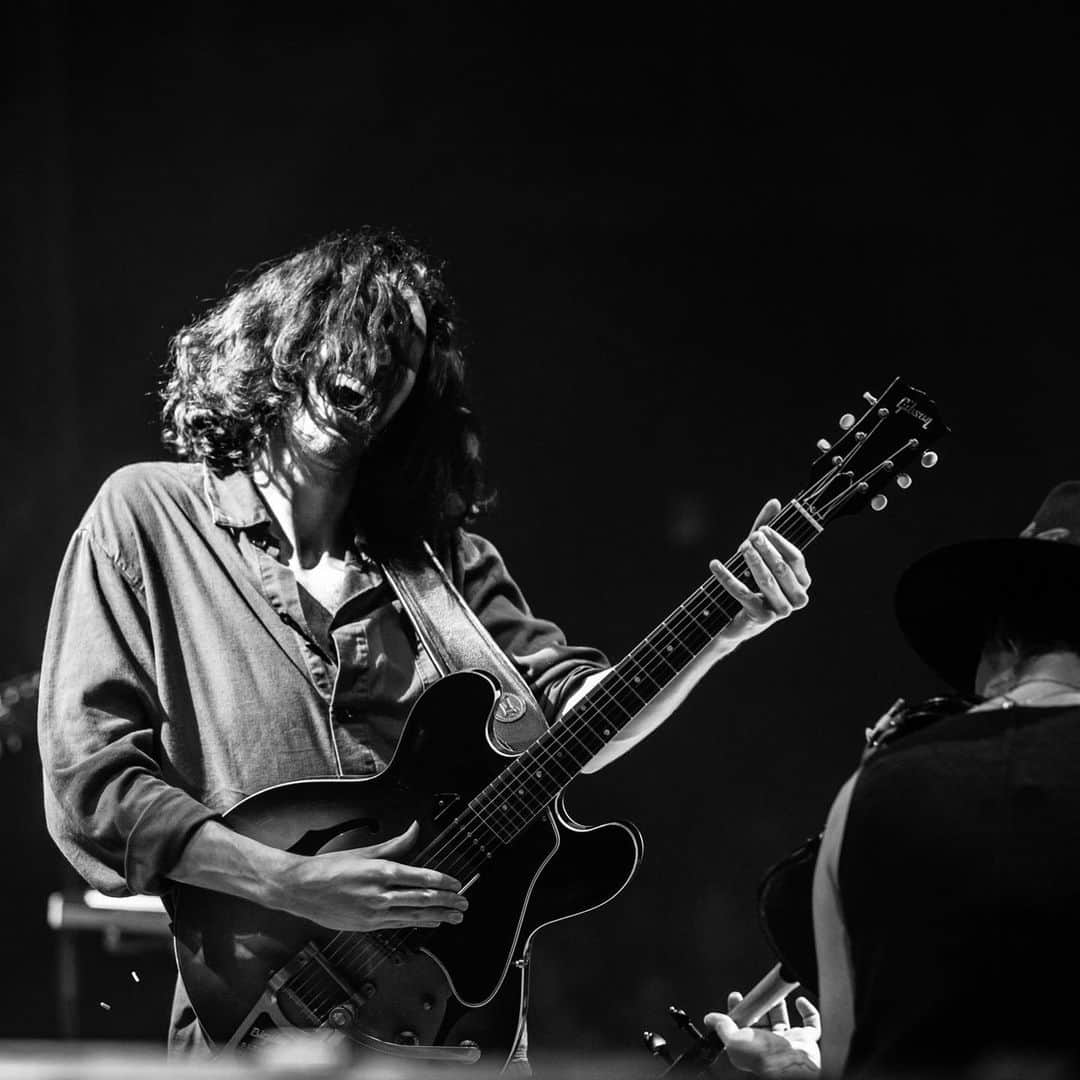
457,641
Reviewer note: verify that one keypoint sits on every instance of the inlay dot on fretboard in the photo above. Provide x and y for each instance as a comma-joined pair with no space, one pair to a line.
539,773
705,613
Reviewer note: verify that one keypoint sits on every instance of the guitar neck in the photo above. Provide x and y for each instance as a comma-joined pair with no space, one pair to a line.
666,650
897,428
527,785
894,430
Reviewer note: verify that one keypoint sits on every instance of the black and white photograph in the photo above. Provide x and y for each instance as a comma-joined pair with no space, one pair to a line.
540,540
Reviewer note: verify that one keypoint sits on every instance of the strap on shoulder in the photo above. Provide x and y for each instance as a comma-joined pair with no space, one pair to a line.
457,641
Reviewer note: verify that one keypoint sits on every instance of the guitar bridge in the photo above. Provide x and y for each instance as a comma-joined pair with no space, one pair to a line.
345,1015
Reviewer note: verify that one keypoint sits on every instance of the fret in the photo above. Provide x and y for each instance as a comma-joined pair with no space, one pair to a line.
687,608
638,668
601,729
526,787
673,648
521,792
635,680
579,731
622,701
657,656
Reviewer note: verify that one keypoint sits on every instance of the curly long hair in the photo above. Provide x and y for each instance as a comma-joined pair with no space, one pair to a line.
342,305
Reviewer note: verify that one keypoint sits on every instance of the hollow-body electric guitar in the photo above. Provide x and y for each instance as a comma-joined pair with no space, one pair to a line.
494,820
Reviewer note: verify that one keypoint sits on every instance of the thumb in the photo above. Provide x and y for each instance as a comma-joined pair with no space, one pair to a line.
723,1025
395,846
811,1018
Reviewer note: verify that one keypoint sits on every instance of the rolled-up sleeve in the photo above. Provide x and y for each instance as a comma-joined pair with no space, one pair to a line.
553,669
113,814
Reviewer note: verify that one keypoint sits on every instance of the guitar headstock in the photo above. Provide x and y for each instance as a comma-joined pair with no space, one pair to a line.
894,433
696,1058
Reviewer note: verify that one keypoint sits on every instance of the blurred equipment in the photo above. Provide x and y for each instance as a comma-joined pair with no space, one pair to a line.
103,983
119,918
27,1003
89,966
16,726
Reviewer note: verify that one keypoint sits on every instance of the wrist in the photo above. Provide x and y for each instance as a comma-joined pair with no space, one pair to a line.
278,880
721,646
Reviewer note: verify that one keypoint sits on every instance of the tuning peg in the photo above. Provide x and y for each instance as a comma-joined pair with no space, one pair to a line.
847,421
928,460
823,445
903,481
682,1018
879,502
656,1045
869,398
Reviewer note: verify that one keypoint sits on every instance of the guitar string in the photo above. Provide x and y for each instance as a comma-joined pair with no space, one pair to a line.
342,948
354,943
601,695
368,952
359,951
673,626
560,743
353,950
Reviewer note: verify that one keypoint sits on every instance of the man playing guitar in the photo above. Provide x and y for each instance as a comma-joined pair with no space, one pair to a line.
222,624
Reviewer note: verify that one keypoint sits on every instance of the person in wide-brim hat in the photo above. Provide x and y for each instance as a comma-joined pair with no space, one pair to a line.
951,603
950,858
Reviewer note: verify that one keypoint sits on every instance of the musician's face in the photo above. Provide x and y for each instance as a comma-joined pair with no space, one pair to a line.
338,425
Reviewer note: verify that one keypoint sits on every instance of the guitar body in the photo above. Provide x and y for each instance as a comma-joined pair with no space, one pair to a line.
248,969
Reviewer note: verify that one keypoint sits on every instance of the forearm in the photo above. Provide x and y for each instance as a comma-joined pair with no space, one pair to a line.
354,889
659,708
218,858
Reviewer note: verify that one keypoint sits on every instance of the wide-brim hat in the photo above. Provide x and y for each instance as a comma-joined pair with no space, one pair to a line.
948,602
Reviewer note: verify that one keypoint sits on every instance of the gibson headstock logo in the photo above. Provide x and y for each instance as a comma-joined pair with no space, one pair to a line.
905,404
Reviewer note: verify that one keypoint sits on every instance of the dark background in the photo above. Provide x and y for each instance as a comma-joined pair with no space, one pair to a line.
684,242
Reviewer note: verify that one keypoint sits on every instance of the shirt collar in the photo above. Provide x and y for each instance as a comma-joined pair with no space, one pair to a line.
234,501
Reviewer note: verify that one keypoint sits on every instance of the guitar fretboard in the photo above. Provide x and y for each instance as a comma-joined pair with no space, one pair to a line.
894,430
521,792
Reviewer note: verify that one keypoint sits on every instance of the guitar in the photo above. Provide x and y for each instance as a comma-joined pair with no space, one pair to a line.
785,901
493,820
706,1047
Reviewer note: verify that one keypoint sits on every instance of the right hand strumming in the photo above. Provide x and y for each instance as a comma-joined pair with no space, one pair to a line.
366,889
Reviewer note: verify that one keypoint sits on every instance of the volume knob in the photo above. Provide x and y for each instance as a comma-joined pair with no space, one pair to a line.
342,1016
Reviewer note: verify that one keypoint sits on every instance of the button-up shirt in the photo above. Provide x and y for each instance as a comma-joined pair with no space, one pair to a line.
185,668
